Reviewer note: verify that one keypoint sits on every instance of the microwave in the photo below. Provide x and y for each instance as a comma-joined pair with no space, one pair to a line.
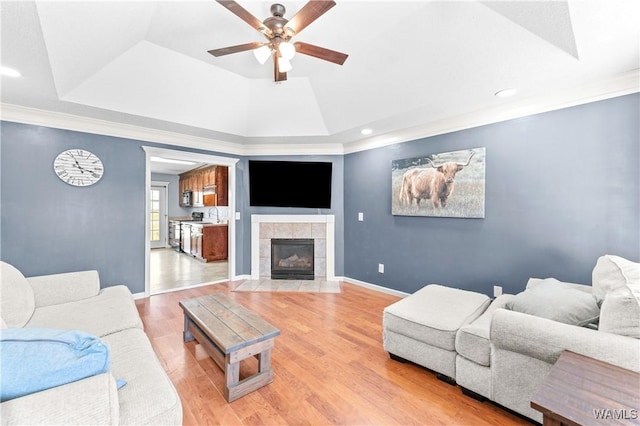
187,198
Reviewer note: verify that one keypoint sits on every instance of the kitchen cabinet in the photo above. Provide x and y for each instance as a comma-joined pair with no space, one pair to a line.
222,185
198,189
215,242
196,180
209,242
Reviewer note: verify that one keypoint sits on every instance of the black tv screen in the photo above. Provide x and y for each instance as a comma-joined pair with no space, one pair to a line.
290,184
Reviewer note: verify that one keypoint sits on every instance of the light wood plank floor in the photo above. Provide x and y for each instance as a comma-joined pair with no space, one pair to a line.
329,364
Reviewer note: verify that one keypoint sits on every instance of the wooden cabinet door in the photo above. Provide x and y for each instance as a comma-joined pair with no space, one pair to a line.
209,176
198,189
182,186
222,185
215,245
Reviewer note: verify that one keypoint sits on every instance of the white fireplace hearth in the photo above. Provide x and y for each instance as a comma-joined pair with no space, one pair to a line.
319,227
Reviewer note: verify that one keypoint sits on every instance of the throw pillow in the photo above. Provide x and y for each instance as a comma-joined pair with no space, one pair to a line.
17,303
556,301
620,312
35,359
611,273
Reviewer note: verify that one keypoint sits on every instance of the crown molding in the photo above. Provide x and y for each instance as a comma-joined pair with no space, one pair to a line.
621,85
39,117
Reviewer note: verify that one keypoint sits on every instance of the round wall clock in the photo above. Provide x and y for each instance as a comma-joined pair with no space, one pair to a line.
78,167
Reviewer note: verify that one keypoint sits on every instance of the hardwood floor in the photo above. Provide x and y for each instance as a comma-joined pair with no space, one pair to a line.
329,364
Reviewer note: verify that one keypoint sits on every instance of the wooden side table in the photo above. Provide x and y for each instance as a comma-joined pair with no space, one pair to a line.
584,391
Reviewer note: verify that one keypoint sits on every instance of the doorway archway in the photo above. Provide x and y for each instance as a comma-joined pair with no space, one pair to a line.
197,157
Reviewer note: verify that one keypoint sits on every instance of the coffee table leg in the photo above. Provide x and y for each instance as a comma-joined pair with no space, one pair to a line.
186,335
232,375
264,360
237,388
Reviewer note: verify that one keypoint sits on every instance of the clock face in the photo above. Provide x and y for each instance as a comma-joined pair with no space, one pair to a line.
78,167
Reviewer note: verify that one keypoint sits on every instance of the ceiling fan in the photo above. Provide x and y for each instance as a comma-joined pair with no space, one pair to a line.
279,31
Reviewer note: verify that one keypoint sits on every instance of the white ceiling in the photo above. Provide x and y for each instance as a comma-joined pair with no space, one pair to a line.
415,68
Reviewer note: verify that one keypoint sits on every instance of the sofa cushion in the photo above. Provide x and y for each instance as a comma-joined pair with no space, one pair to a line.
620,312
612,272
91,401
434,314
110,311
472,340
35,359
149,396
557,301
17,302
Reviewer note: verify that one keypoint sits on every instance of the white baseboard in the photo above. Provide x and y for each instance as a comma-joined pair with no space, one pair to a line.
248,277
373,286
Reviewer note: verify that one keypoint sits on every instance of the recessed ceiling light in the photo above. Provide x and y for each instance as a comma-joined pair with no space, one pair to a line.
9,72
366,131
505,93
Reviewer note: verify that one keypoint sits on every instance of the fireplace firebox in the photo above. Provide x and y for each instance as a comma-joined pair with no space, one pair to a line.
292,259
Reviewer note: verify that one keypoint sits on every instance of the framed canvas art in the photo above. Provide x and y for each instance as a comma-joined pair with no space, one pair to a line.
447,184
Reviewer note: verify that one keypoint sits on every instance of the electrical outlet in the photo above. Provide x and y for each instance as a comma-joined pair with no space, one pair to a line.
360,216
237,215
497,291
381,268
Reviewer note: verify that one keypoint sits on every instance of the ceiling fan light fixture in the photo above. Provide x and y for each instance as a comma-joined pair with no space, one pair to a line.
287,50
262,54
284,65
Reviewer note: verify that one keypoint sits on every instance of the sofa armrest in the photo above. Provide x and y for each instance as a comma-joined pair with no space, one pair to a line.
63,288
93,400
545,340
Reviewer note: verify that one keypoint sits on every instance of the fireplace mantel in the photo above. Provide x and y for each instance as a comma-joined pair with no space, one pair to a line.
327,220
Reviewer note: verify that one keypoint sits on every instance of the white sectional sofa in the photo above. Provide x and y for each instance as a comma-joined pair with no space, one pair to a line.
504,352
74,301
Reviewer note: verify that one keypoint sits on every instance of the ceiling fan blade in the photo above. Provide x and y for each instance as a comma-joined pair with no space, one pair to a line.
320,52
235,49
277,75
246,16
309,13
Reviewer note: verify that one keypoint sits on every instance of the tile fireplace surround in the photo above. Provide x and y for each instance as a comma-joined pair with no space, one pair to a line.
319,227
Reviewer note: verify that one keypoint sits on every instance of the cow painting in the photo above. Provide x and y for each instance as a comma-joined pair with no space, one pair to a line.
434,183
425,186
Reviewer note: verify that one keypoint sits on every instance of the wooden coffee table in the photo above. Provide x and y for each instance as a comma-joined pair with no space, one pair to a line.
584,391
230,333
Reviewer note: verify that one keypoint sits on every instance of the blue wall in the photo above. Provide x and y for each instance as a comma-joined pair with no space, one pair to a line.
337,205
48,227
562,188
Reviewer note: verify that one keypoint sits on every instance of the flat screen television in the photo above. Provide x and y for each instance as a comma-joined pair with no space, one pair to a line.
290,184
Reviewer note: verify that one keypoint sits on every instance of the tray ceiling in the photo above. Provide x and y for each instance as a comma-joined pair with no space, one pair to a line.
412,65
